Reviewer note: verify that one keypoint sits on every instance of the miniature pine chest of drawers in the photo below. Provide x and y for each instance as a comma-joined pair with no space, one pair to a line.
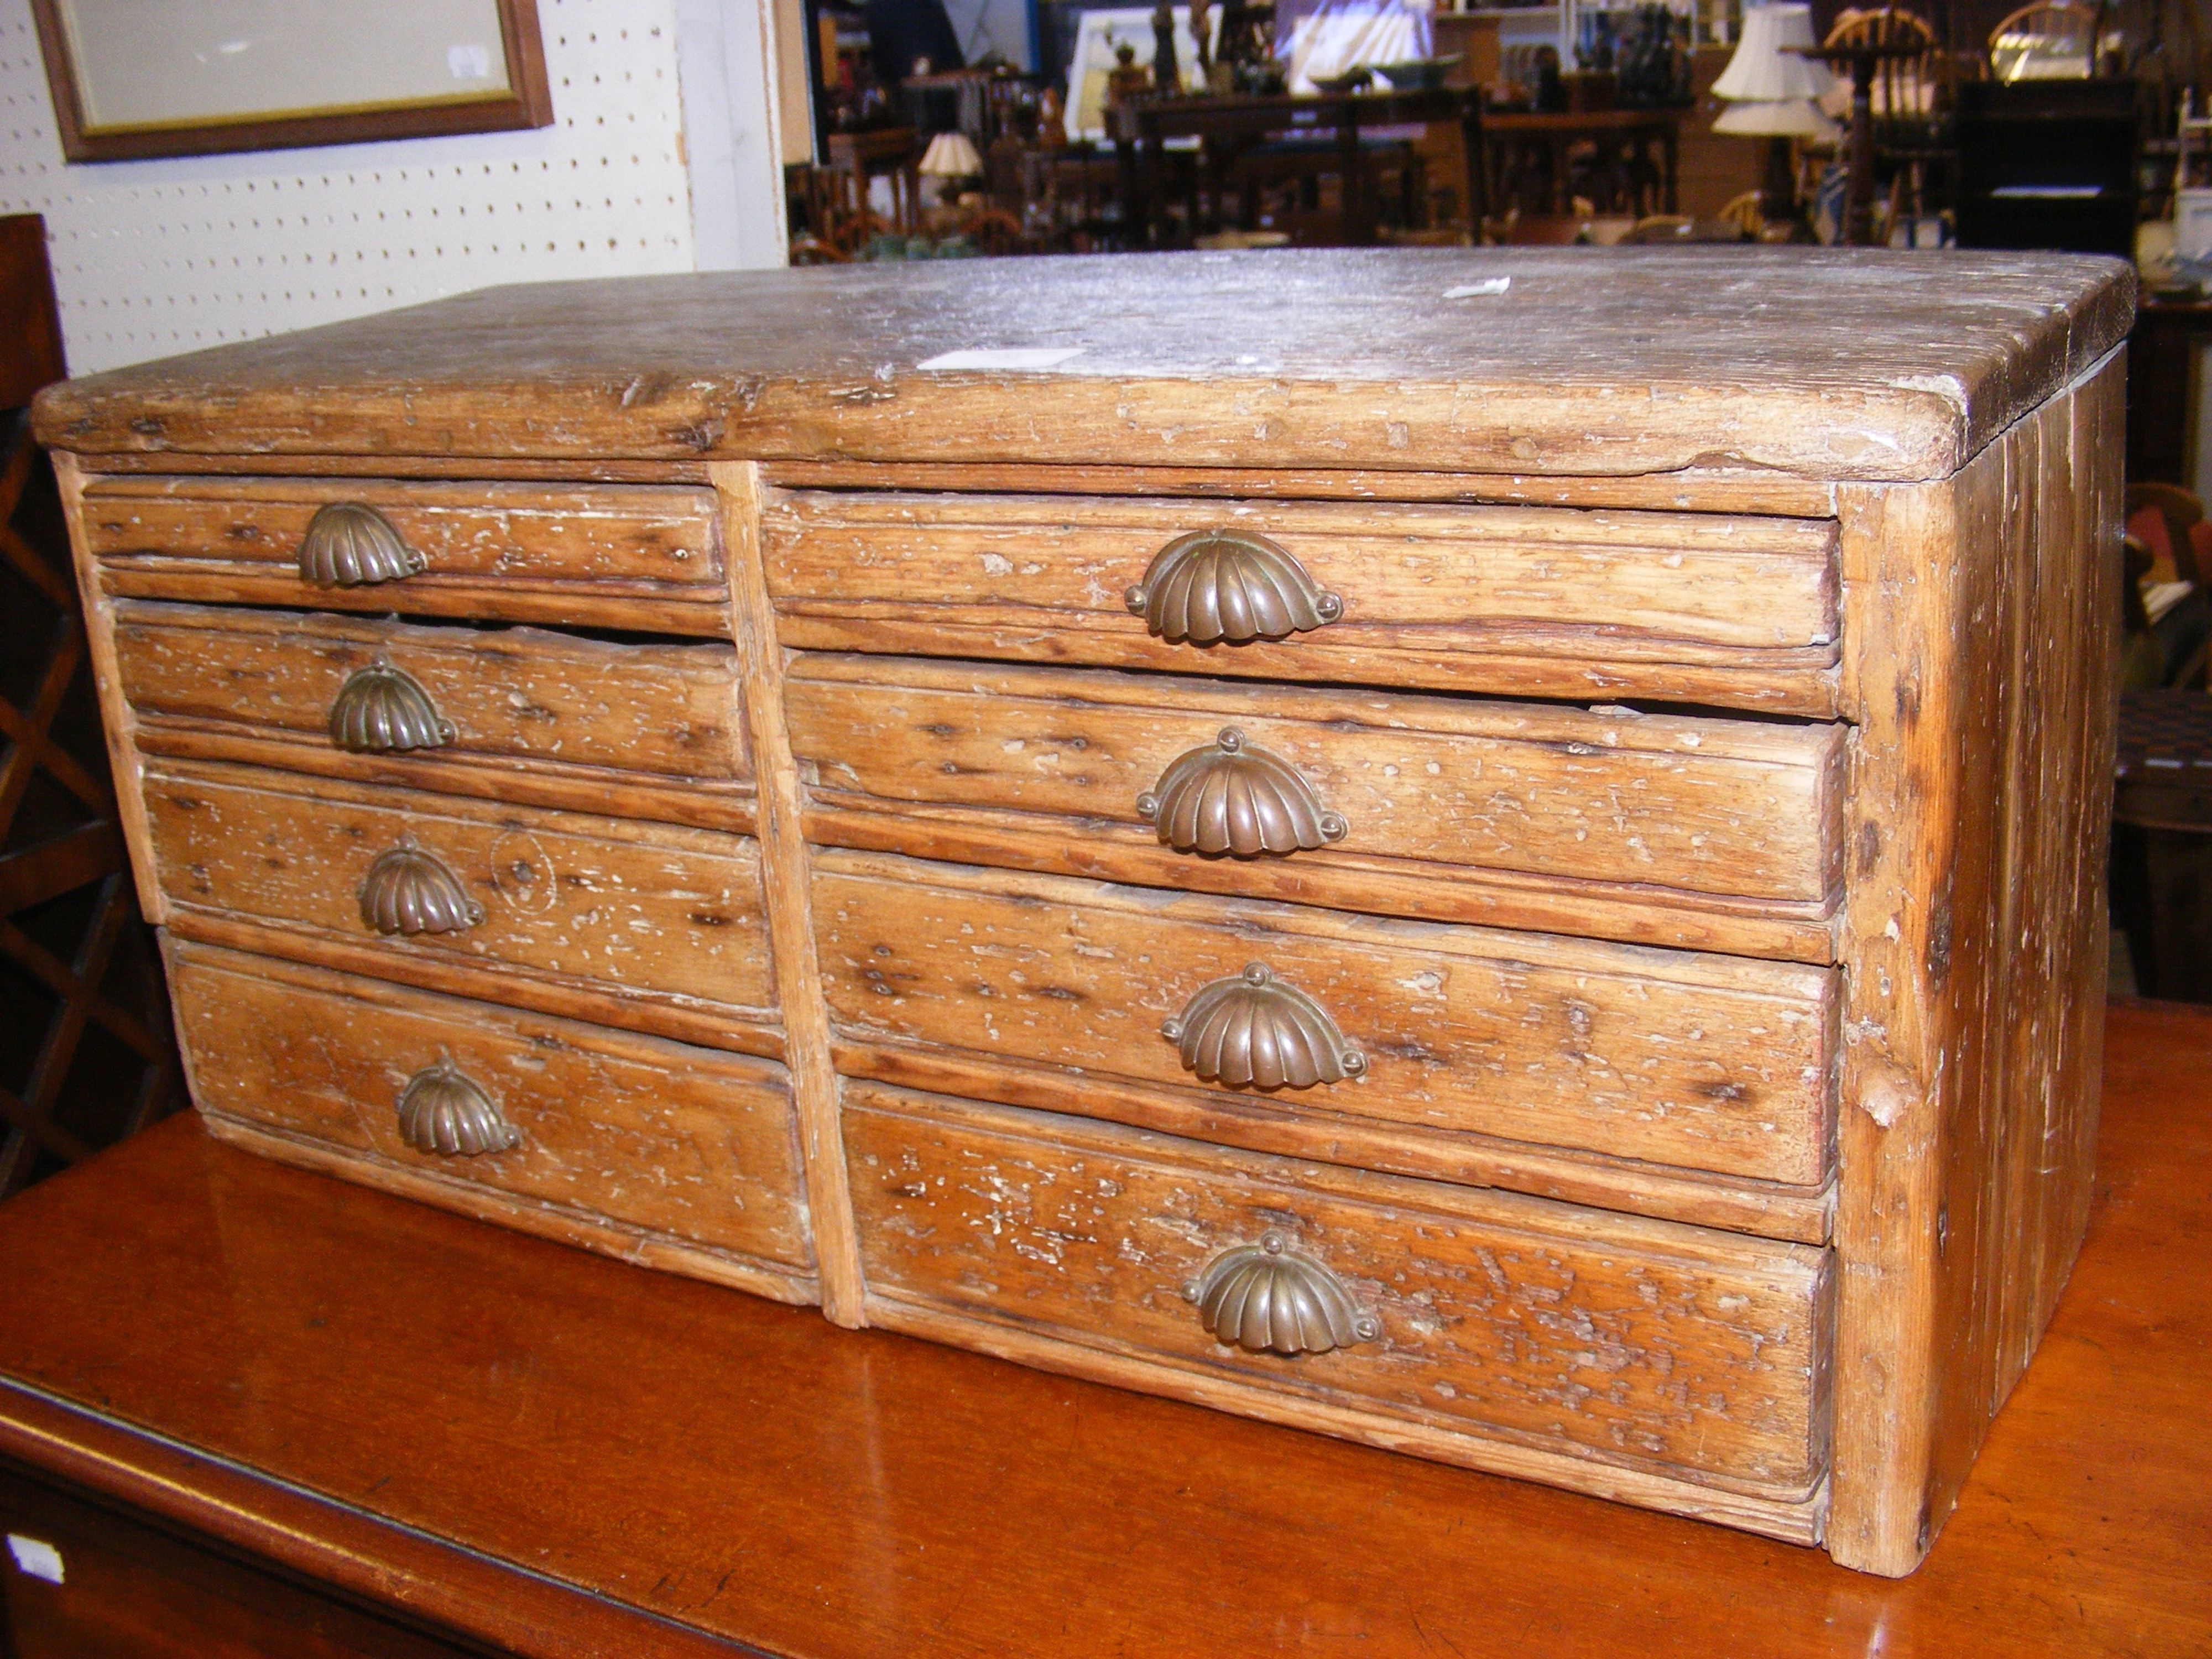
1516,876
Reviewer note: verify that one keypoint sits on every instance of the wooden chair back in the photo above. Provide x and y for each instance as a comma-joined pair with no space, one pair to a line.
2047,40
1907,91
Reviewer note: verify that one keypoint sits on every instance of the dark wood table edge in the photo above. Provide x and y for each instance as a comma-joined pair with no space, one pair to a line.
392,1570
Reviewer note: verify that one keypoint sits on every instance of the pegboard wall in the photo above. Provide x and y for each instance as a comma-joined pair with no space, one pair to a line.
154,258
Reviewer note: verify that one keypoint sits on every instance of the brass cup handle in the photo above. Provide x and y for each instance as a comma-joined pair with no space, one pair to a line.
1269,1297
444,1112
348,546
408,891
1253,1031
381,709
1233,585
1234,797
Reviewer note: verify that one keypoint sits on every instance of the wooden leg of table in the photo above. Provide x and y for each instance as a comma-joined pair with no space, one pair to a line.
1477,174
1132,190
1155,189
1355,222
1670,146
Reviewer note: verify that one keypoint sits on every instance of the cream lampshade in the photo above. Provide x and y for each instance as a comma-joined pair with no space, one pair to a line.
950,158
1770,86
1769,66
1783,118
951,155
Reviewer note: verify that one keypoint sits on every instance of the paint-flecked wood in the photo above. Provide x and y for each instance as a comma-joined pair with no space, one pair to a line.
237,1376
601,532
643,558
644,611
119,723
1704,1062
1982,616
1694,1353
1298,1128
636,911
1684,586
1615,797
1433,892
555,700
1850,364
1624,604
1693,490
1927,470
759,695
640,1142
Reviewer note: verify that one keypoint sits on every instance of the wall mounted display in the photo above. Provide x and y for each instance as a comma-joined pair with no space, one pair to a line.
138,78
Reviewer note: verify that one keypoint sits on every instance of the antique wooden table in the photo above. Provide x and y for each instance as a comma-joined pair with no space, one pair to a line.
251,1405
1230,125
1527,159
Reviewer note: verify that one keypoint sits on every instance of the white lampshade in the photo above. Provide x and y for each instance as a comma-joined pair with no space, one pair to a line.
1766,68
1778,117
950,156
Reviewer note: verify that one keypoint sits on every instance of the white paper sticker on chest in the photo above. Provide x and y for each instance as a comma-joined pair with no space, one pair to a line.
1030,357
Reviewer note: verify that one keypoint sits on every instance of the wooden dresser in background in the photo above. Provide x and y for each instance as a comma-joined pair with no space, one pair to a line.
1514,874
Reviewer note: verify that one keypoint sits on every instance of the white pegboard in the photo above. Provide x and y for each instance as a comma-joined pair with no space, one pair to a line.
154,258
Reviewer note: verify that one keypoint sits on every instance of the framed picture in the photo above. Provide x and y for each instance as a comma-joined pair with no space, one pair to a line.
134,78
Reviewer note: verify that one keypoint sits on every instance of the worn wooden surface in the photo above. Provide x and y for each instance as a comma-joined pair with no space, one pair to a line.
1709,606
1695,489
645,559
555,700
553,1417
1299,1128
1707,1061
1387,887
1981,616
1858,364
1729,808
1874,509
636,910
565,533
1679,1350
759,695
1587,605
656,1143
118,721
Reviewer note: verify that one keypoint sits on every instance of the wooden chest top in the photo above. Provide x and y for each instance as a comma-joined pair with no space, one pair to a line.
1860,365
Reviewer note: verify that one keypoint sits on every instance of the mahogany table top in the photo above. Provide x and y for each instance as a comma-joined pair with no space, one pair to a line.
529,1445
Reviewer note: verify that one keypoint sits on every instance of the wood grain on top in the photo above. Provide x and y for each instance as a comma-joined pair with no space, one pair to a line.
1856,364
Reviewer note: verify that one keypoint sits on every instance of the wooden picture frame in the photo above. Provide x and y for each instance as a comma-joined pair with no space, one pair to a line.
518,98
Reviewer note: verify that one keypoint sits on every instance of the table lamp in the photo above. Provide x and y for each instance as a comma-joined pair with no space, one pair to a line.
951,158
1772,90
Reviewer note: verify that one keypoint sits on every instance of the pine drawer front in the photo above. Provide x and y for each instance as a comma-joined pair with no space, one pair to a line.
1677,1350
1549,602
639,729
640,1148
1706,1063
647,556
1737,809
396,881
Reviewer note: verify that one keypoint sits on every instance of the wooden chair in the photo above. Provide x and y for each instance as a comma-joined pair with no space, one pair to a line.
1907,90
86,1053
891,153
2047,40
1909,98
2181,513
